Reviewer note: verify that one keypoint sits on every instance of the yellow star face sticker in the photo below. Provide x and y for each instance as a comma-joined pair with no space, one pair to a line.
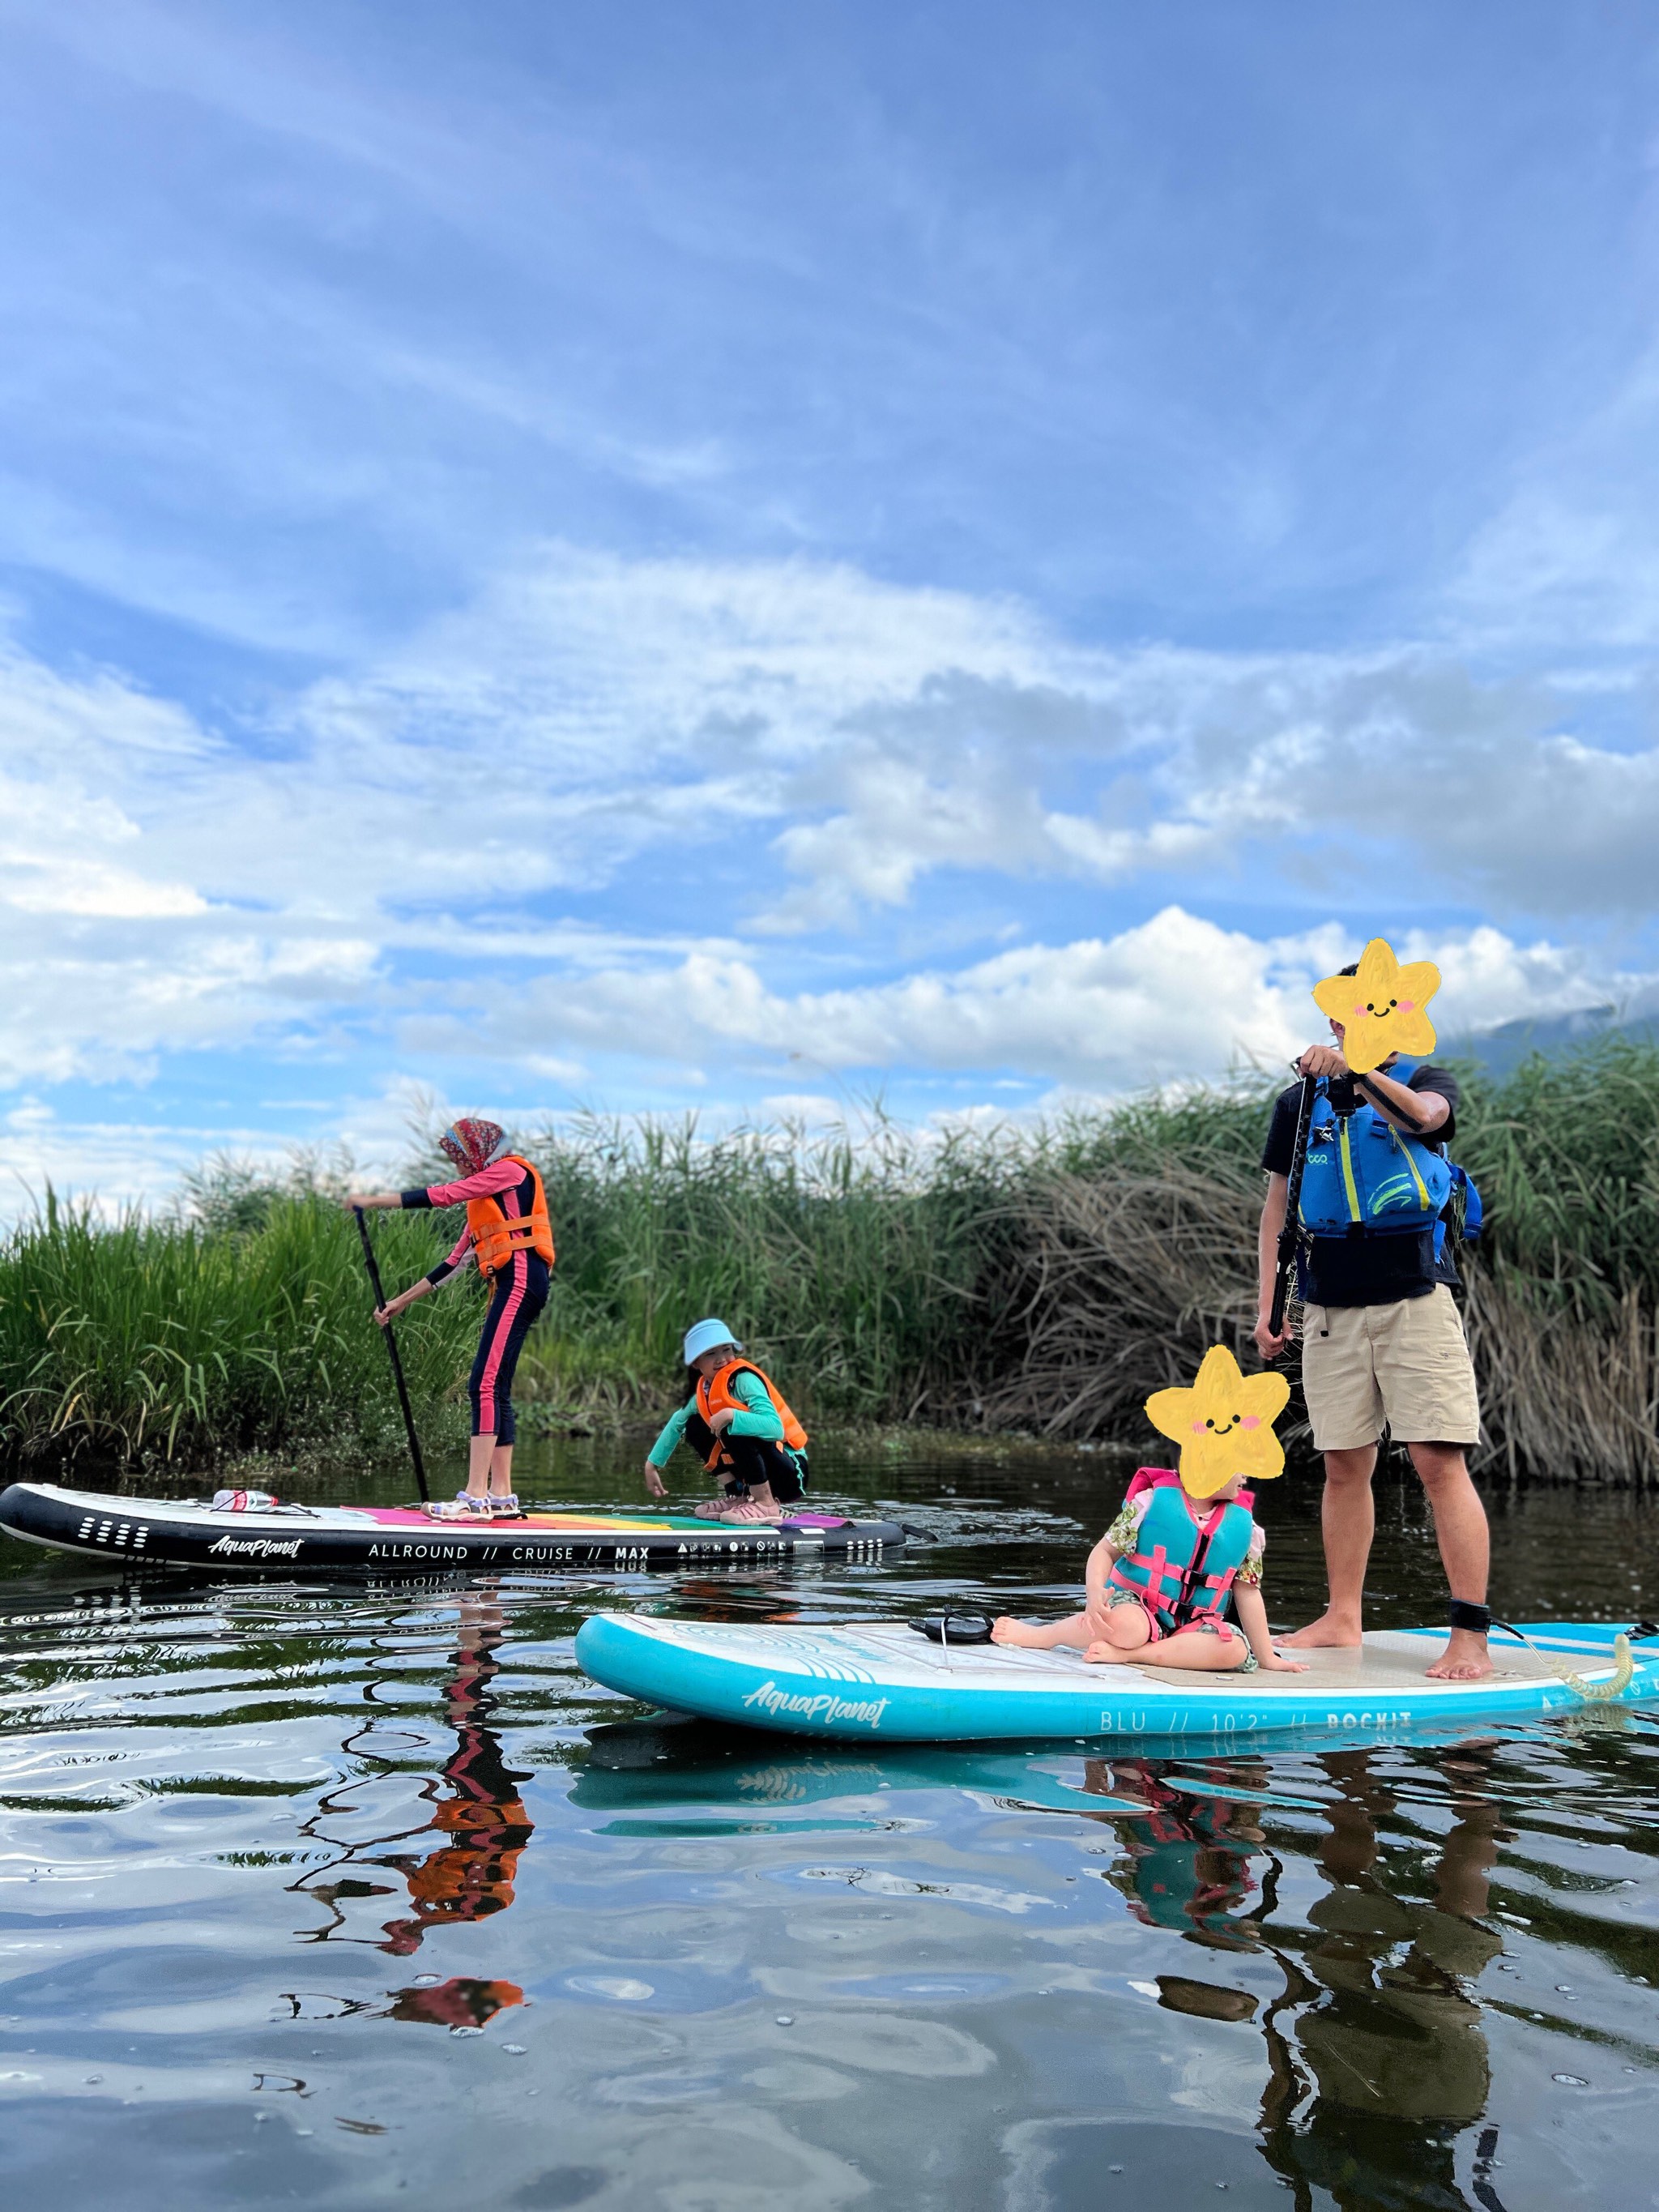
1223,1424
1383,1009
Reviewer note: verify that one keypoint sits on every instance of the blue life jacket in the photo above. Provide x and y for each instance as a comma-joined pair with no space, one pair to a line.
1362,1173
1183,1571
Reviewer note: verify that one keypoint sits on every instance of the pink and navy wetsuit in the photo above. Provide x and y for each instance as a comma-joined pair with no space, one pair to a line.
518,1291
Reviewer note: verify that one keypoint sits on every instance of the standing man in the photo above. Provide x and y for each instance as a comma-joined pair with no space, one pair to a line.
1383,1341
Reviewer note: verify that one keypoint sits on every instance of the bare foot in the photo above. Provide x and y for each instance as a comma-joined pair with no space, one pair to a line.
1328,1633
1464,1660
1006,1630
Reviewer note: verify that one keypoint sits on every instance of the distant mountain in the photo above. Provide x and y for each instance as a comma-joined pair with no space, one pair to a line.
1503,1048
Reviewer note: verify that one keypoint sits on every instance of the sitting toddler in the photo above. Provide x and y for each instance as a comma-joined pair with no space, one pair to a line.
1160,1582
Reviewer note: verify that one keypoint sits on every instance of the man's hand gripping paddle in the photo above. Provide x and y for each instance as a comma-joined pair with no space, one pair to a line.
396,1364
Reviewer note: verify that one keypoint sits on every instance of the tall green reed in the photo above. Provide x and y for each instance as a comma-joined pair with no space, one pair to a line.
1043,1278
179,1340
852,1258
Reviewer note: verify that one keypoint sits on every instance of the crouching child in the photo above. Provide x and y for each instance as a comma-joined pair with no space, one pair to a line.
738,1423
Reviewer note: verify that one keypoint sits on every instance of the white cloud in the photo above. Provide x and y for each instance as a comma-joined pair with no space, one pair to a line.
170,888
1487,980
385,847
94,1007
869,736
107,1163
866,734
1175,998
811,1110
600,669
111,1164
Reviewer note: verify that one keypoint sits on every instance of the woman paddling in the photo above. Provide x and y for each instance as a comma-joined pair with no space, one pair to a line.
509,1233
737,1419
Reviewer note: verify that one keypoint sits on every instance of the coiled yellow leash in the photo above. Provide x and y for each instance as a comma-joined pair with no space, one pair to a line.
1601,1693
1592,1693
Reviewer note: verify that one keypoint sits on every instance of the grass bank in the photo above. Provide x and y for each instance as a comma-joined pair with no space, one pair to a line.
1040,1281
243,1324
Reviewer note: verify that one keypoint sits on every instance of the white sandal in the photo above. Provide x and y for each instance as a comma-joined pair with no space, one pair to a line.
464,1506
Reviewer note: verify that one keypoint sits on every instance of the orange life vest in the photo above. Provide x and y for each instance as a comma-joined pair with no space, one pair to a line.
474,1877
715,1392
495,1237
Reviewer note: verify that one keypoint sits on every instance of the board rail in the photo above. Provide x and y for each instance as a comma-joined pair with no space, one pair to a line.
881,1680
142,1534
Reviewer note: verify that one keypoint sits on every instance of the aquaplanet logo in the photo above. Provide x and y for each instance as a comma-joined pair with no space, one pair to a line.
820,1705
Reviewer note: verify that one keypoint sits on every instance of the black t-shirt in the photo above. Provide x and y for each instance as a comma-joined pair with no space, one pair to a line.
1368,1270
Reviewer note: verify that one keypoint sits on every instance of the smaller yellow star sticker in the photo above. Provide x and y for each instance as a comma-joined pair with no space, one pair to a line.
1223,1424
1383,1009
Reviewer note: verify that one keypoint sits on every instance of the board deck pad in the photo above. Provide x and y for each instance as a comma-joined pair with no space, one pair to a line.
881,1680
404,1540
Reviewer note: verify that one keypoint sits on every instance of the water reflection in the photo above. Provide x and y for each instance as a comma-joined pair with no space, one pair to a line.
1186,1864
476,1806
844,1975
1376,2061
482,1814
1377,2058
1389,2065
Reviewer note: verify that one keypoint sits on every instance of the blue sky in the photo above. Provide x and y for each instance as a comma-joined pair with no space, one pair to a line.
737,556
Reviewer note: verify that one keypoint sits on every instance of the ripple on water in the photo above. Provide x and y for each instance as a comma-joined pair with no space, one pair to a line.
329,1893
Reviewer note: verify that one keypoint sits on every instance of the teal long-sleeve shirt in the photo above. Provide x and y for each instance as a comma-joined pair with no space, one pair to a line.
759,1419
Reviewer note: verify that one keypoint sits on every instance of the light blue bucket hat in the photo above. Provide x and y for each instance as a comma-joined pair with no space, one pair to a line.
704,1335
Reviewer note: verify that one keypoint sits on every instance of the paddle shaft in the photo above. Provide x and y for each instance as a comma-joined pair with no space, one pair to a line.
1290,1229
396,1364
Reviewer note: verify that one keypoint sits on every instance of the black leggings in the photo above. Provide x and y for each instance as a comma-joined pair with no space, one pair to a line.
744,1460
516,1296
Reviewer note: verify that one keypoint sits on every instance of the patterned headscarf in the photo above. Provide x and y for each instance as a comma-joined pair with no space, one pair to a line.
472,1144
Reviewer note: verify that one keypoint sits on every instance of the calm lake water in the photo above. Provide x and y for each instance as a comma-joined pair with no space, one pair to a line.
345,1897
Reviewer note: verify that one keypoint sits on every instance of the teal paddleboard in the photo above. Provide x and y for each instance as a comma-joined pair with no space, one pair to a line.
883,1681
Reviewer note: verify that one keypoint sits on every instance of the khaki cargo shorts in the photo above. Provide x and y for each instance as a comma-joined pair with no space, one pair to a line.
1407,1364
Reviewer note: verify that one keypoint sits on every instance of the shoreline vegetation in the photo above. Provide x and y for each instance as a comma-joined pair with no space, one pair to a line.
1034,1282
